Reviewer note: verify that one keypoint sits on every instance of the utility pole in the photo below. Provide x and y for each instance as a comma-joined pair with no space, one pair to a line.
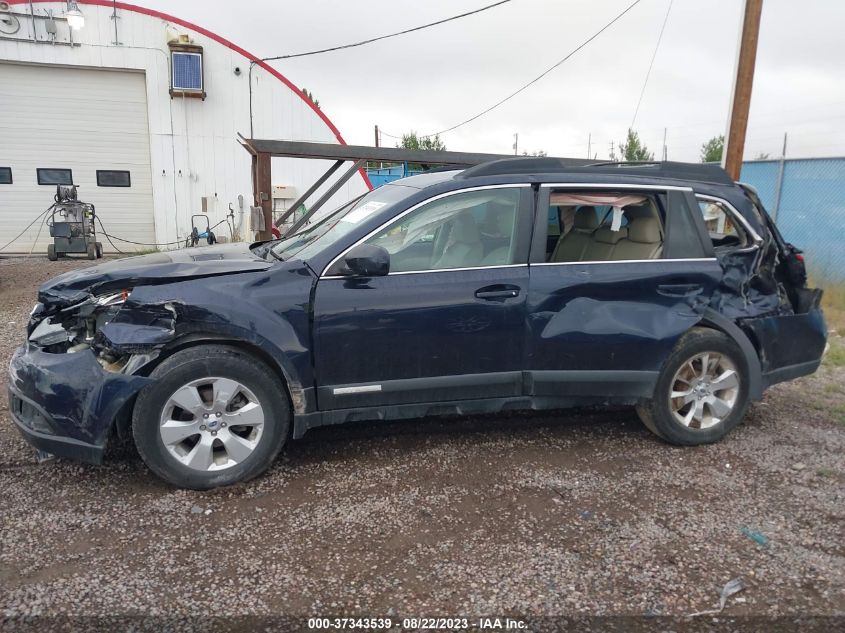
665,152
741,94
376,135
589,143
612,155
516,144
779,182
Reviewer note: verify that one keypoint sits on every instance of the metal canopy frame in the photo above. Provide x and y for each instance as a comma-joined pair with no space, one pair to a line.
262,150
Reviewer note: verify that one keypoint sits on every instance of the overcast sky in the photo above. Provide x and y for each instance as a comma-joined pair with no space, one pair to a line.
433,79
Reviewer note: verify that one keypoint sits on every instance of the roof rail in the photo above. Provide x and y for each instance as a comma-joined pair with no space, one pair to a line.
701,172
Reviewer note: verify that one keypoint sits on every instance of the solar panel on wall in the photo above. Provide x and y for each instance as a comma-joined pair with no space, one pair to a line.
187,71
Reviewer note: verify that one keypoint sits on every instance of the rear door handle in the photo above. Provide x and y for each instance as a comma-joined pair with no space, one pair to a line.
497,292
680,290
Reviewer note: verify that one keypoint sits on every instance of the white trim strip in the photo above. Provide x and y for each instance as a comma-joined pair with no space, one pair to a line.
406,212
629,261
342,391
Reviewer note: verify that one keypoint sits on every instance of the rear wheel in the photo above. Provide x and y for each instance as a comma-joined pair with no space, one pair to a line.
702,390
92,251
51,252
214,417
99,246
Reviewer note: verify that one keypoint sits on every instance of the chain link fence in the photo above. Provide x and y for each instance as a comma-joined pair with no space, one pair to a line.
806,198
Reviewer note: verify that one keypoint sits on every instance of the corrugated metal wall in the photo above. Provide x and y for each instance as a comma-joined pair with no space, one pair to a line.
808,203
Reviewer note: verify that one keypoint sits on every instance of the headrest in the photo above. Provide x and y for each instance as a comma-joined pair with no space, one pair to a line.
644,230
502,218
585,219
464,230
606,236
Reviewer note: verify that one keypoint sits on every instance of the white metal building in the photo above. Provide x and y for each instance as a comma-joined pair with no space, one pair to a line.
142,111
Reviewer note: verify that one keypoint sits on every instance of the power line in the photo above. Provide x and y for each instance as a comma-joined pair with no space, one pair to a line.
651,63
384,37
541,75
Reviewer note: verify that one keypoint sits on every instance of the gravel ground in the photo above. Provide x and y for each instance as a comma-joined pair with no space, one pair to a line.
573,513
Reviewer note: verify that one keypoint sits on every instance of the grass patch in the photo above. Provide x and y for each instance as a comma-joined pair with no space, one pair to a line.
826,472
833,304
146,251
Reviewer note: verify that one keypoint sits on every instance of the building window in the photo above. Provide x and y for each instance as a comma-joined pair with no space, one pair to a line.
50,176
186,73
113,178
5,175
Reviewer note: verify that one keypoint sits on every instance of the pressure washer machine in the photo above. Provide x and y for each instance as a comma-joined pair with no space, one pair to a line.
72,226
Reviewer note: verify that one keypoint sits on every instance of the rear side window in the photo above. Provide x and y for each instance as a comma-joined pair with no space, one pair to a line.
722,227
604,226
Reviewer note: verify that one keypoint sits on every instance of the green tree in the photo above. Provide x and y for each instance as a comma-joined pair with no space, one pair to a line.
711,151
412,141
762,156
311,97
540,153
633,149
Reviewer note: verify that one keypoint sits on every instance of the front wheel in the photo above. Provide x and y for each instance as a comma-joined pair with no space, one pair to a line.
213,417
702,390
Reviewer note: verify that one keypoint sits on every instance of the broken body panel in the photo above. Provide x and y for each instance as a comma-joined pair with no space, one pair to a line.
577,334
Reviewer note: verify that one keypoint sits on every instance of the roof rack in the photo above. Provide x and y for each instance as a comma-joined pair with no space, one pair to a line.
701,172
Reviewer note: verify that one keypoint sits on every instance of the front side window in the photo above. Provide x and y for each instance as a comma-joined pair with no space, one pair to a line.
721,226
463,230
50,176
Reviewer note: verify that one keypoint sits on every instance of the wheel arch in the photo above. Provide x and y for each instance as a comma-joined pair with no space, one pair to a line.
296,394
715,321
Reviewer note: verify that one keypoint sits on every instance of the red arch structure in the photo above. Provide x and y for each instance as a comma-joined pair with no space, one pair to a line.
220,40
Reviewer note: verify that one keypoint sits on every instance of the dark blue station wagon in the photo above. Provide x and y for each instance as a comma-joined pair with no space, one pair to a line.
513,285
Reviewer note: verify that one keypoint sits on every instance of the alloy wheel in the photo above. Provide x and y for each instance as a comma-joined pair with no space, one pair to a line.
211,424
704,390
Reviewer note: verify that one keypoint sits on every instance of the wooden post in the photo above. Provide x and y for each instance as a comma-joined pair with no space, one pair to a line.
377,136
741,97
263,190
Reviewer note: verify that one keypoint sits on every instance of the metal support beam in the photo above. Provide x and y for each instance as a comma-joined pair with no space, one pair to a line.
301,200
263,191
325,197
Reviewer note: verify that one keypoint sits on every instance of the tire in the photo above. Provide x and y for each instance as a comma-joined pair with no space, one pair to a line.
711,404
200,372
51,252
99,246
92,251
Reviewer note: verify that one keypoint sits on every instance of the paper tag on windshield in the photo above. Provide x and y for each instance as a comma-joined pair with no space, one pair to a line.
363,211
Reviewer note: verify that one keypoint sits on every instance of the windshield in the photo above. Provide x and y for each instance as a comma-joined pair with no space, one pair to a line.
313,238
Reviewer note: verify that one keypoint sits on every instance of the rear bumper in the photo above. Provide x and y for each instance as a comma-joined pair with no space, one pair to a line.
66,404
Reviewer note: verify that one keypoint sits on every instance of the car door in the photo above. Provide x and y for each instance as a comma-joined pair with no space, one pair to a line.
602,319
447,322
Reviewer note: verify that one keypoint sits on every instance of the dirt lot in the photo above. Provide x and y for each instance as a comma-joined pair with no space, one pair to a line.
563,514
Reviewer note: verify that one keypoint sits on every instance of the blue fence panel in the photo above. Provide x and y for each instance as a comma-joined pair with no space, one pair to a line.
763,176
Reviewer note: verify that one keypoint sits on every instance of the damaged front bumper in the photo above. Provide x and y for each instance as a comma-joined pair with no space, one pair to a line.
65,404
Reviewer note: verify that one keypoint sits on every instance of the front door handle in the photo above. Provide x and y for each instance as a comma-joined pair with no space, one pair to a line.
680,290
498,292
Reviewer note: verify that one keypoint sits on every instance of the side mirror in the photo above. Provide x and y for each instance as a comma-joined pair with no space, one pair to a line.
368,260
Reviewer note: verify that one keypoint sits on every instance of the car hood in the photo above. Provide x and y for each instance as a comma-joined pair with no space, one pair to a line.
156,268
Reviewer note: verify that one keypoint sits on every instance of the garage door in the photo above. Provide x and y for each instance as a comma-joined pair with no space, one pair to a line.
57,122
